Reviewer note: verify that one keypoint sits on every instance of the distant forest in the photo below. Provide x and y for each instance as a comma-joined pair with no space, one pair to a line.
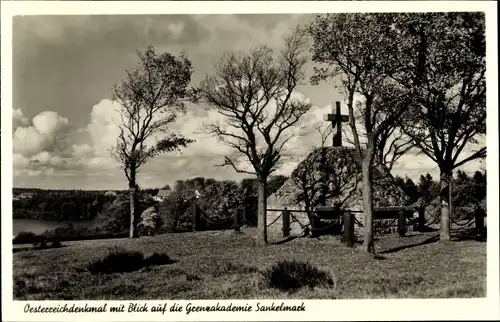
62,204
88,204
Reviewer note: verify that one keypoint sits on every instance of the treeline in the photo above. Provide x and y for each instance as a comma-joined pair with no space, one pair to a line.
467,191
62,204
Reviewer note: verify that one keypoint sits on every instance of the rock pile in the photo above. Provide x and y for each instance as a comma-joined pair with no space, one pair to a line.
330,176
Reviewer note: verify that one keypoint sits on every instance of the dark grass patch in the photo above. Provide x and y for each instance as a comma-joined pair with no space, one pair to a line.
292,275
226,268
158,259
191,277
123,261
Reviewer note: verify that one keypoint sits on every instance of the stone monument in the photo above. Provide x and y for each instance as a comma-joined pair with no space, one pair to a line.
330,176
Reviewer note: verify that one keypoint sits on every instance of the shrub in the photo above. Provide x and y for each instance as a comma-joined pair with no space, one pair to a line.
42,244
117,260
120,260
26,237
158,259
292,275
56,244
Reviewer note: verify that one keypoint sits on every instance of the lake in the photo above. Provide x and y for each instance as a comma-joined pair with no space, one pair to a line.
39,226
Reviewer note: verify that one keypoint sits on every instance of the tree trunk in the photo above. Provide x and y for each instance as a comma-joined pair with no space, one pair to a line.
367,207
132,199
445,195
262,213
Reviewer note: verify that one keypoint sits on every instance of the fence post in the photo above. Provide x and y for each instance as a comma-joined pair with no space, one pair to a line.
236,218
348,228
421,219
286,222
195,216
402,223
315,223
244,215
479,217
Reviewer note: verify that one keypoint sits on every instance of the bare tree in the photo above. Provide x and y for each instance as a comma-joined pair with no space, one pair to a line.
450,92
361,50
392,143
325,131
150,99
254,92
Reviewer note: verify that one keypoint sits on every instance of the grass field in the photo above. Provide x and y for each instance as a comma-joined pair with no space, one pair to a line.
227,265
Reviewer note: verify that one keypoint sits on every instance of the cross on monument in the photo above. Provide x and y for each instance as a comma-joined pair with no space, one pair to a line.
337,119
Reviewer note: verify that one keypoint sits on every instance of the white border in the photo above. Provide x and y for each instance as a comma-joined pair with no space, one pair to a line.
447,309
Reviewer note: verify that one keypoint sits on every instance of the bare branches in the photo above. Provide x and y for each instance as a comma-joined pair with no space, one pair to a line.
254,94
325,132
228,161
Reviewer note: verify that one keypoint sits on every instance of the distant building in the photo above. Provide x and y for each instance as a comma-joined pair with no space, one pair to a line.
162,194
110,193
25,195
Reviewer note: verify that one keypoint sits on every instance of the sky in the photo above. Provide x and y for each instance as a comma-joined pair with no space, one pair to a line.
64,68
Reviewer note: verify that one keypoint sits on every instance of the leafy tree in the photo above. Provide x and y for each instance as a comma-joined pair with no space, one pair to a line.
449,87
361,52
150,99
411,189
254,92
427,188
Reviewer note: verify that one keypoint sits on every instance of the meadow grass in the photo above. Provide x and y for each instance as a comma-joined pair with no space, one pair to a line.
225,265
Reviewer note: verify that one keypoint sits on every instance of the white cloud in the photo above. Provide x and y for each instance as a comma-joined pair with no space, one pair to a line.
19,161
18,119
45,134
56,161
82,150
28,141
103,128
49,122
43,157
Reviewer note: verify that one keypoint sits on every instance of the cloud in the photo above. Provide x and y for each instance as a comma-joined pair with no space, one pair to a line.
47,123
18,119
103,128
19,161
81,151
45,134
28,141
43,158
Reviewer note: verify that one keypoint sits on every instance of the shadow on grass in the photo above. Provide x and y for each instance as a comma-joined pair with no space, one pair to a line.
429,240
286,240
427,230
469,234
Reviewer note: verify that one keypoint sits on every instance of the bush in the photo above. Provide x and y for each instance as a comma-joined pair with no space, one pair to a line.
117,261
158,259
292,275
56,244
26,237
120,260
42,244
